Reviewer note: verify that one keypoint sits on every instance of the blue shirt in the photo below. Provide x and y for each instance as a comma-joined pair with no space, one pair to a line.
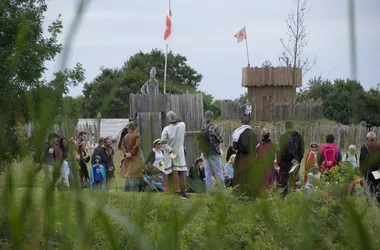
97,174
229,171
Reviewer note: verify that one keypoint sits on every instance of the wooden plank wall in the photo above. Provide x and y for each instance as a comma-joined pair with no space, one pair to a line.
262,97
230,109
150,128
271,76
344,135
188,107
305,110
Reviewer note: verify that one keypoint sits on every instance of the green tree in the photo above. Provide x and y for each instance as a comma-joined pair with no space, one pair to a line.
372,103
209,103
178,71
242,99
24,49
109,92
344,101
23,53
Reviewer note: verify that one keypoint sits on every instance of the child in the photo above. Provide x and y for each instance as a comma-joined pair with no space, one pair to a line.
229,171
98,175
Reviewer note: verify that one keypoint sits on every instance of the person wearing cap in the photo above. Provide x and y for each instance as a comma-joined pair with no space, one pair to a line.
98,175
210,147
172,141
155,155
266,153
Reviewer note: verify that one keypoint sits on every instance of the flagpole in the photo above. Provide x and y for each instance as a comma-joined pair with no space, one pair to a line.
246,45
166,66
166,56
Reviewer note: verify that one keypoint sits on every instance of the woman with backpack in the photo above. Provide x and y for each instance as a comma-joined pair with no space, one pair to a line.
330,155
351,157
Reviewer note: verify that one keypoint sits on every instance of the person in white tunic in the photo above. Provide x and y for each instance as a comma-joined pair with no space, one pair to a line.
172,141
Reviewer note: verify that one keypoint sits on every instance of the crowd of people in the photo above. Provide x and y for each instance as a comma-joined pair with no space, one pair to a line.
254,163
58,160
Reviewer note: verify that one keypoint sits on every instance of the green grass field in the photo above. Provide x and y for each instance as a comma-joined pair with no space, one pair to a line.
34,219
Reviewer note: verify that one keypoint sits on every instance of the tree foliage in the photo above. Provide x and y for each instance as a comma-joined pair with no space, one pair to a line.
345,101
242,98
24,49
109,92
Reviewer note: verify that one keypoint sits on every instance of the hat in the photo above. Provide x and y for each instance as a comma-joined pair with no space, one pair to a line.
208,115
98,157
313,144
156,141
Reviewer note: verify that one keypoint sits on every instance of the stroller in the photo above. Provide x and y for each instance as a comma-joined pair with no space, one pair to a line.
152,185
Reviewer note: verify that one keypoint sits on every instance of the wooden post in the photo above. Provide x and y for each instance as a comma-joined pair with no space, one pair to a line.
99,119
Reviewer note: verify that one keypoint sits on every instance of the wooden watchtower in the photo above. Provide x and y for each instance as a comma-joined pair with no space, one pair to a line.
269,85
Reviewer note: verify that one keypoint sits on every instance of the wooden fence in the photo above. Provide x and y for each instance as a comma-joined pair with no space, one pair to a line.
150,111
305,110
230,109
188,107
69,130
151,125
344,135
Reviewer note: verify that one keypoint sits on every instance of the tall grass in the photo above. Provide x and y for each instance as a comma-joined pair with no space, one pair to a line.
34,217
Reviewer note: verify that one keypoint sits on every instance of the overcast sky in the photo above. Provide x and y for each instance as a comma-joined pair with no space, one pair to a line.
203,31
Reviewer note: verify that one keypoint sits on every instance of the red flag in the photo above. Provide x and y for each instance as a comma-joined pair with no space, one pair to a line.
241,35
168,30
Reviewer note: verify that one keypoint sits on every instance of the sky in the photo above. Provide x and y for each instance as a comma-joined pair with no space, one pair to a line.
203,30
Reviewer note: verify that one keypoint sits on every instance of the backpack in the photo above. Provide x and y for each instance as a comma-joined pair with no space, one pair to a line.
204,138
292,147
356,157
329,158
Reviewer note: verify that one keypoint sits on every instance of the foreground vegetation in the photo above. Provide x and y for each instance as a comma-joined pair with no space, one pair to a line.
34,219
31,218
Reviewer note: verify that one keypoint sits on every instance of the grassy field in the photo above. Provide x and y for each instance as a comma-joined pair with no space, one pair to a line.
34,219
